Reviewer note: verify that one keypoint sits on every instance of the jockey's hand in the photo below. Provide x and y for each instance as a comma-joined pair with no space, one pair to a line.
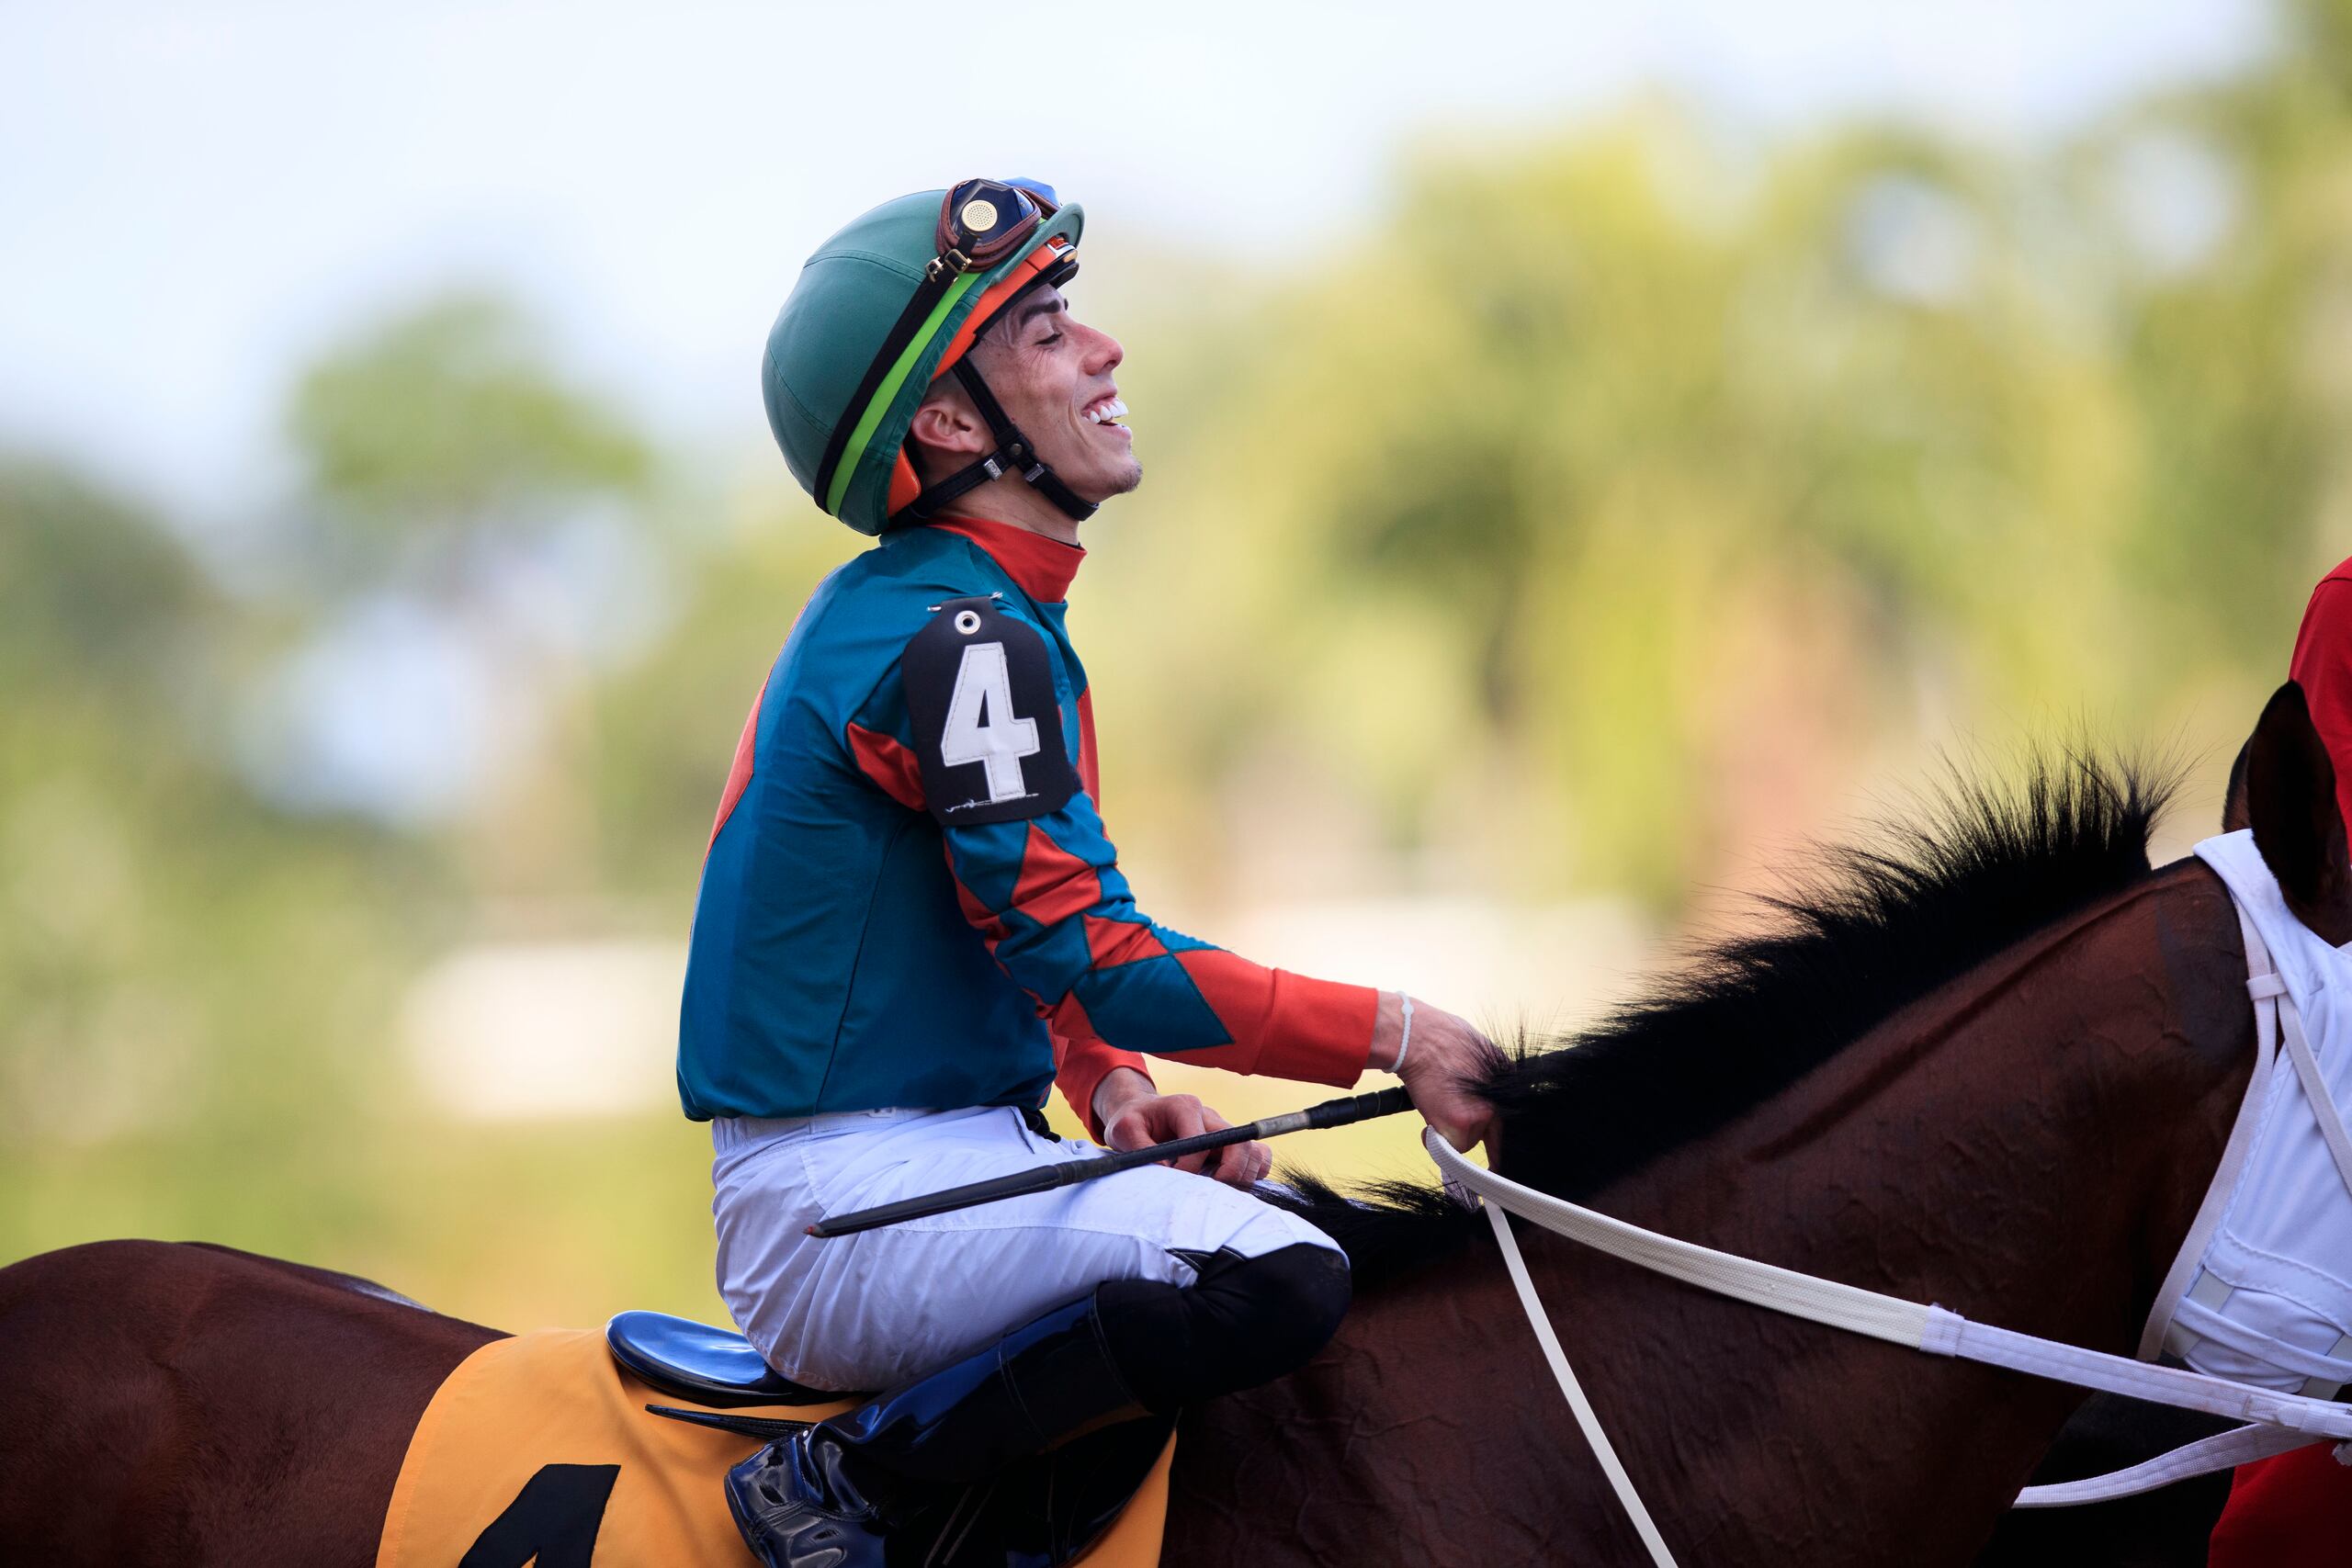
1133,1114
1445,1055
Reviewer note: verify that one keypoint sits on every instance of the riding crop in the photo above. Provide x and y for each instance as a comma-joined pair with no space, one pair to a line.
1068,1173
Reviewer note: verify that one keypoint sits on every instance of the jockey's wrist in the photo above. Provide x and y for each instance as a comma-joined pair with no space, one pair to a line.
1120,1088
1389,1028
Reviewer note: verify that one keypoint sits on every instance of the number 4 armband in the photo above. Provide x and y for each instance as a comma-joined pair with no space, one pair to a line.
988,723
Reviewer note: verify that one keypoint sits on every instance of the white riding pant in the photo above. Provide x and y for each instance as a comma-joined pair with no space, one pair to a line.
882,1307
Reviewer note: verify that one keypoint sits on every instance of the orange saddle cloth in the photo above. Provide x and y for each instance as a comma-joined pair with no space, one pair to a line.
539,1450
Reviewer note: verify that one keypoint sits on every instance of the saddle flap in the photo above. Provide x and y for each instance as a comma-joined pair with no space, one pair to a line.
542,1440
695,1362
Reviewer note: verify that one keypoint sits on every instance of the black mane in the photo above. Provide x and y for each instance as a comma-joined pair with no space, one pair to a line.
1879,924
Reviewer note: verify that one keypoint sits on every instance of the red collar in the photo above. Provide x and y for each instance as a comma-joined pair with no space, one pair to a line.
1043,567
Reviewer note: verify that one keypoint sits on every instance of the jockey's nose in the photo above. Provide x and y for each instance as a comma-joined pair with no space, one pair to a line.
1104,353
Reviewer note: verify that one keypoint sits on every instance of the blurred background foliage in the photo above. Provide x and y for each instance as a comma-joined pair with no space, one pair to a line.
1613,513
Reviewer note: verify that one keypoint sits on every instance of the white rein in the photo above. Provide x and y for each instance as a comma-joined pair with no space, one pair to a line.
2275,1422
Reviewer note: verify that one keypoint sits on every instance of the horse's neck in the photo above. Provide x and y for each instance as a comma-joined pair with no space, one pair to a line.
2025,1148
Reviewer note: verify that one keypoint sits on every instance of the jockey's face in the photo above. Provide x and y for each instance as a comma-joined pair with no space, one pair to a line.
1049,371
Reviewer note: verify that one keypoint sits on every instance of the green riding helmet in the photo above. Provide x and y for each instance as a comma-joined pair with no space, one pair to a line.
881,312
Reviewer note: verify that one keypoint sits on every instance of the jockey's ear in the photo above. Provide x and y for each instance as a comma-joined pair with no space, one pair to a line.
947,431
2290,805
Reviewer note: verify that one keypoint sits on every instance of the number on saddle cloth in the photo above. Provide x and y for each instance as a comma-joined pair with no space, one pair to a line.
552,1523
988,721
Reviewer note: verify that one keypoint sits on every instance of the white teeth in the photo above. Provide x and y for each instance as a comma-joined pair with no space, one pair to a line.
1102,413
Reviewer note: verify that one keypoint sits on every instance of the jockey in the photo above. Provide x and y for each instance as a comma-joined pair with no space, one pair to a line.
911,924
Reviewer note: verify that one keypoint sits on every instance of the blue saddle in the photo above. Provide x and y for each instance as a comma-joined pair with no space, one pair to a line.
693,1360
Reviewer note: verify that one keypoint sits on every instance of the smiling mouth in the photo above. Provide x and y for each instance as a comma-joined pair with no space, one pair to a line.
1104,411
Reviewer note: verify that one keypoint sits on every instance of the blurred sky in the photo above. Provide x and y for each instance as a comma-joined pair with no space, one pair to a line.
196,199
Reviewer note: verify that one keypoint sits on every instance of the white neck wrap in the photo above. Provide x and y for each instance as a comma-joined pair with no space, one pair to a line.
2262,1290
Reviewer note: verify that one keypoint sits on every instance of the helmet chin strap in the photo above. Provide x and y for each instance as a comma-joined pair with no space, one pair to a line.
1015,454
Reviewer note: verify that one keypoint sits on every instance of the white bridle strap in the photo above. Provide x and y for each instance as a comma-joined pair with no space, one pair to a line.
2223,1450
1781,1290
1928,1328
2176,1386
2315,1095
1619,1482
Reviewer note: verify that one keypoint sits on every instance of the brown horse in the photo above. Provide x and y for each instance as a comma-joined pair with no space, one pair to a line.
1991,1065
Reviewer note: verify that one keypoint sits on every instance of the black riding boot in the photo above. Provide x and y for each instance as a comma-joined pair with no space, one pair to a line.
834,1495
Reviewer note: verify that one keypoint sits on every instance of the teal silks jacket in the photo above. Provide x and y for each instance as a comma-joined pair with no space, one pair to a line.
908,897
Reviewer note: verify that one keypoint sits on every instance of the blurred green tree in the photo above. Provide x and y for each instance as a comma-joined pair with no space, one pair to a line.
187,977
462,487
444,429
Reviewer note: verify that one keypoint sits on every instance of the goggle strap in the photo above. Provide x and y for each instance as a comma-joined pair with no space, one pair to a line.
902,332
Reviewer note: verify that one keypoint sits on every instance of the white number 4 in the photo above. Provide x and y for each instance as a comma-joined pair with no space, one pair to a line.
999,739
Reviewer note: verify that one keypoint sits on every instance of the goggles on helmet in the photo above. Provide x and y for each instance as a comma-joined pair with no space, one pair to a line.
982,221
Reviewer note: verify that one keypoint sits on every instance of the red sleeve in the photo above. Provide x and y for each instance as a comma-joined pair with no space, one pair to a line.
2322,667
1285,1025
1081,1063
